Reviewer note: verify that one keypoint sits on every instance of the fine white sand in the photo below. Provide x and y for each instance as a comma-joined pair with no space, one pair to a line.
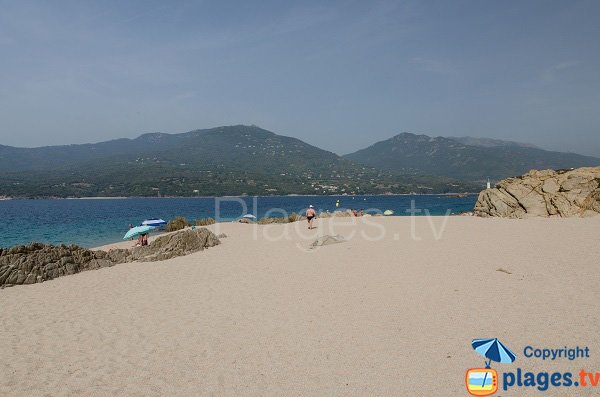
391,312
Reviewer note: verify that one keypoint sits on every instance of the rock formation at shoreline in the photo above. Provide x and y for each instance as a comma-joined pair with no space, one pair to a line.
563,193
182,243
36,262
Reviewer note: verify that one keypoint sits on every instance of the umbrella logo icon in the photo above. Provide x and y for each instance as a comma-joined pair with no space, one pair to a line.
484,381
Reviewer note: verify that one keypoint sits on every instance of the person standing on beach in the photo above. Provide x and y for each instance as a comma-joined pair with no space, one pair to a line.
310,216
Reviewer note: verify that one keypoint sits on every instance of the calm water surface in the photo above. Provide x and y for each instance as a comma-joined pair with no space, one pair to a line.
100,221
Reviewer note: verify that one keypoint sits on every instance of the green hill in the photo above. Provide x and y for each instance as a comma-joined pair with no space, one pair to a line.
451,157
229,160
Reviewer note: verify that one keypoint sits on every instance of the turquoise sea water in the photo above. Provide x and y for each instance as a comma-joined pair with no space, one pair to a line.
96,222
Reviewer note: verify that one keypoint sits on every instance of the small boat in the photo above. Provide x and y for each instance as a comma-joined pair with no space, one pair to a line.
388,212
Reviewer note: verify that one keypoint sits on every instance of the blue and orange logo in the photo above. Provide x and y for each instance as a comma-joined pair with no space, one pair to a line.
484,381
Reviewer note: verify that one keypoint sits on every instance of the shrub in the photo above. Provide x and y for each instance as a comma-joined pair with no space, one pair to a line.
177,224
205,222
294,217
267,221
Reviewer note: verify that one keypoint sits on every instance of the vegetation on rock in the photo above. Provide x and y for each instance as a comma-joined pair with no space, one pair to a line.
205,222
177,224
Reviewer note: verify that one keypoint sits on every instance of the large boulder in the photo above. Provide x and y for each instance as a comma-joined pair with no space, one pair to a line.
36,262
563,193
182,243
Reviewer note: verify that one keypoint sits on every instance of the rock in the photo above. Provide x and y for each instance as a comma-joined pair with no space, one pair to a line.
328,240
172,245
118,255
36,262
563,193
222,235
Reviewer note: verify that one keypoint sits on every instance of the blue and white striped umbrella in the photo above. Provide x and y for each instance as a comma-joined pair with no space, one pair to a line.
154,222
494,350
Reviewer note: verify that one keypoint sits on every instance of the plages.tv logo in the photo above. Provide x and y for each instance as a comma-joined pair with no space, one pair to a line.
484,381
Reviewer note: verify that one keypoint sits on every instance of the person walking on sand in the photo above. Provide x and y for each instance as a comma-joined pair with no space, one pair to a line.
310,216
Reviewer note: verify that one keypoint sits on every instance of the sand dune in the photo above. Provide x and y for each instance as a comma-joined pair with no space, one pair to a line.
390,312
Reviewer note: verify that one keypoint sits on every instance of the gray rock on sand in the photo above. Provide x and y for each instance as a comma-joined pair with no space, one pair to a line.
563,193
36,262
182,243
327,240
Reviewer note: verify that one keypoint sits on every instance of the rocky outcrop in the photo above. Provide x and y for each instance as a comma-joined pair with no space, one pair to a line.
563,193
182,243
35,263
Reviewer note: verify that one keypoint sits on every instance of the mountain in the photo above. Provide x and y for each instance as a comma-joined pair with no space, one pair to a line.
488,142
406,153
229,160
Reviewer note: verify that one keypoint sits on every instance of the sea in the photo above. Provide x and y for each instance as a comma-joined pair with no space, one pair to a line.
95,222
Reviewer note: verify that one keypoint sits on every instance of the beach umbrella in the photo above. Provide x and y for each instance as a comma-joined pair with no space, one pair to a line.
493,350
388,212
154,222
136,231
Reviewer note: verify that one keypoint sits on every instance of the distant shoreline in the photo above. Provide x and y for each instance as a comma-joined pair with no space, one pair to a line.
93,198
239,196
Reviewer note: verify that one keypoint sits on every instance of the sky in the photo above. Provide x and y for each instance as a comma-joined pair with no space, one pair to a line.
340,75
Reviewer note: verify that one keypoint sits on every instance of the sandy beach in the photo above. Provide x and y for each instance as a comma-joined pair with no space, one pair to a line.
390,312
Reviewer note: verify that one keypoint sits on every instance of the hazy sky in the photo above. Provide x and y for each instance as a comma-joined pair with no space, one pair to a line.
338,74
